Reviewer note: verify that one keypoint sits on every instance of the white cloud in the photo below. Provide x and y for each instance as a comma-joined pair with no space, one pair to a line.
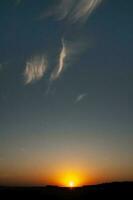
80,97
35,69
60,11
68,53
64,8
83,9
60,68
74,10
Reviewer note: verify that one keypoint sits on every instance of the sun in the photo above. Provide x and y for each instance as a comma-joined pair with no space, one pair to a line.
71,184
70,178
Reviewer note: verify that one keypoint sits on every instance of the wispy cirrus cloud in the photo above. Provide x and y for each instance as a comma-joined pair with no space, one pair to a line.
59,10
73,10
63,9
80,97
35,69
83,9
68,53
60,68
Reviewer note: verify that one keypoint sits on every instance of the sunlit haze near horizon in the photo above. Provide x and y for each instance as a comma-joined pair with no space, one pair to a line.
66,79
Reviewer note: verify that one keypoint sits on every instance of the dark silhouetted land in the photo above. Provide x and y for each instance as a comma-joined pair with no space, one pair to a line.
107,191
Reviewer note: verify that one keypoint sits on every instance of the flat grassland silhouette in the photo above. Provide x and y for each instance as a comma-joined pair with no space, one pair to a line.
107,190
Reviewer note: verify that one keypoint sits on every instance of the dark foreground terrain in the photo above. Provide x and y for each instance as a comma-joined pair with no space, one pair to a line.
104,191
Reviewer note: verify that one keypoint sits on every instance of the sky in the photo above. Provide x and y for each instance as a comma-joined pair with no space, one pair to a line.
66,77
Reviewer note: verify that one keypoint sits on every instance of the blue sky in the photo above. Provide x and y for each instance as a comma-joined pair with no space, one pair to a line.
66,87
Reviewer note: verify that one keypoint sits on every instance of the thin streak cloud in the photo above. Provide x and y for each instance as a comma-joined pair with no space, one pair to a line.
69,51
63,10
60,68
80,97
35,69
82,11
59,11
73,10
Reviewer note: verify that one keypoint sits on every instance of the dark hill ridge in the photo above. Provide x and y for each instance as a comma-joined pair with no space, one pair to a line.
113,190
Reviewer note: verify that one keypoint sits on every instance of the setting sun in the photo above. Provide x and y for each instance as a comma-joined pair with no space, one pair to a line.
70,179
71,184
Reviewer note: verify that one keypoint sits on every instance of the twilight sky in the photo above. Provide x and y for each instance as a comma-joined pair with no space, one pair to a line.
66,78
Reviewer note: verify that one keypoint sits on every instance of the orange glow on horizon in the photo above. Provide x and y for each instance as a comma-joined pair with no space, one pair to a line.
70,179
71,184
58,176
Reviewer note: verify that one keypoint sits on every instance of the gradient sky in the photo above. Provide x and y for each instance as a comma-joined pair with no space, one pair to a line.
66,79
